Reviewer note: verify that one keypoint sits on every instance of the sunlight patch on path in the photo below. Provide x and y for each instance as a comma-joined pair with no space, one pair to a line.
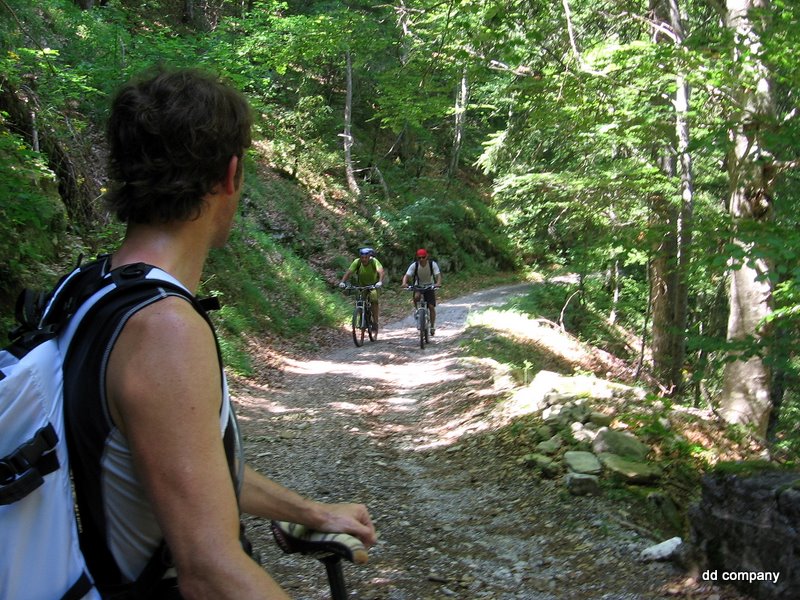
392,379
406,375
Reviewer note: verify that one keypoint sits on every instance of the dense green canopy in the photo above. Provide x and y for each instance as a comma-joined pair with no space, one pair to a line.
600,138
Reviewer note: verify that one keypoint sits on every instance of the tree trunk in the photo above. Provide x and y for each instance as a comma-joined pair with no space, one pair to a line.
403,21
685,224
671,261
746,386
663,290
188,11
348,138
462,97
616,292
197,17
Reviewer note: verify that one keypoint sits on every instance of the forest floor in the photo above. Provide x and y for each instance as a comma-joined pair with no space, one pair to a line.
414,435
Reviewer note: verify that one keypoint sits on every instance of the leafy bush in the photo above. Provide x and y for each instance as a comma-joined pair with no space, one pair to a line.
266,290
462,234
32,218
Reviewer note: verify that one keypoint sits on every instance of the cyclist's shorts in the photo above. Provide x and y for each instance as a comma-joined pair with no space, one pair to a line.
430,297
373,296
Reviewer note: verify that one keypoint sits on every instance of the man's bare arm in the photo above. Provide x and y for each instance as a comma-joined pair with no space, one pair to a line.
165,394
265,498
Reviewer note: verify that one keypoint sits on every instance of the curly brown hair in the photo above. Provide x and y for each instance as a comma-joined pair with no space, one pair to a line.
171,136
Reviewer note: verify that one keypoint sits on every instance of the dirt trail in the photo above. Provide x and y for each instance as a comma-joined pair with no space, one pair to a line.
408,432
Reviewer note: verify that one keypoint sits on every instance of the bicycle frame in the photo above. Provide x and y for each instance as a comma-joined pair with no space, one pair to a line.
422,313
362,315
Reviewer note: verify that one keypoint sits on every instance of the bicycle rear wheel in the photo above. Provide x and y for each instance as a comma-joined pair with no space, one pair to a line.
358,326
423,327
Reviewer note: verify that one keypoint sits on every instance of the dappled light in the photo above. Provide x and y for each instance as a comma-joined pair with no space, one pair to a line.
393,377
551,338
381,371
423,434
642,157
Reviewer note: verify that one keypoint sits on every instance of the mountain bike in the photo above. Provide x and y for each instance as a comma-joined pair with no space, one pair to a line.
362,315
328,548
422,314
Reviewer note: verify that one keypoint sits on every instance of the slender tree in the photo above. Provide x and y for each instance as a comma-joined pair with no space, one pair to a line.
347,136
745,395
459,125
670,264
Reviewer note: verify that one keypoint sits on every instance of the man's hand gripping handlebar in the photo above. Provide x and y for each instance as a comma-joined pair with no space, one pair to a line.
328,548
349,286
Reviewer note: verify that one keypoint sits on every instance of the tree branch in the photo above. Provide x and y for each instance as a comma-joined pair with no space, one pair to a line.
571,32
781,166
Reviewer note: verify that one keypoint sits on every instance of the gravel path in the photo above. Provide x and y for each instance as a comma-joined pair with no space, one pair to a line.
409,432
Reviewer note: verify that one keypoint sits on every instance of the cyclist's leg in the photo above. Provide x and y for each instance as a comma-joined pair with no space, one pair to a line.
375,309
430,296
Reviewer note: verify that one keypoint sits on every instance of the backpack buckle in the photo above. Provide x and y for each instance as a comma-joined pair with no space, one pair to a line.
7,472
24,469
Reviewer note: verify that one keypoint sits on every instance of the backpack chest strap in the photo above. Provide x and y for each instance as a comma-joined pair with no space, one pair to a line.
24,469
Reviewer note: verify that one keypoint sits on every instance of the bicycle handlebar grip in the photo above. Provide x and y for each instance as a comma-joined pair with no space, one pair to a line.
293,537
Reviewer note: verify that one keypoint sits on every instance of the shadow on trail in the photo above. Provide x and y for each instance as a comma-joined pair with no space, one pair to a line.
397,428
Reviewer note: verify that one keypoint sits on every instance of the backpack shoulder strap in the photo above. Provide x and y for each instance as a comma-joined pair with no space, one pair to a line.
41,315
115,293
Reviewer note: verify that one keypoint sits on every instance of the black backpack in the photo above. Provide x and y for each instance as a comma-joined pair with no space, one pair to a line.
36,500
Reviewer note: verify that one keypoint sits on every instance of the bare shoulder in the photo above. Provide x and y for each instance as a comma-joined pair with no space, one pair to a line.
165,351
169,336
170,321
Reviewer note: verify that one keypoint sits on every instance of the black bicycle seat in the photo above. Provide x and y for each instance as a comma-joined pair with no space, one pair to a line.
293,537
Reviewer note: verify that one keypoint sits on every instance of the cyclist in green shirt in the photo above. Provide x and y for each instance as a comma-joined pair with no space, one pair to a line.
366,270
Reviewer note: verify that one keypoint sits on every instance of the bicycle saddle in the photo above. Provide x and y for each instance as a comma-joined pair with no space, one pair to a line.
293,537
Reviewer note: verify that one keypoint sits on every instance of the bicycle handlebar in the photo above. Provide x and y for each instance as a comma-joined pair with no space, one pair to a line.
360,287
422,288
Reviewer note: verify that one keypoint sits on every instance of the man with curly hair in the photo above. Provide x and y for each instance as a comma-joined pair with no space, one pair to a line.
150,425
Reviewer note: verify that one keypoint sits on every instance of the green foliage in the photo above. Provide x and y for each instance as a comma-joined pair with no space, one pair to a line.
266,291
571,136
587,316
32,219
523,360
459,233
267,288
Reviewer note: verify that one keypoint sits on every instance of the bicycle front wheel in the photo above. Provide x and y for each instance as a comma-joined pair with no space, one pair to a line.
423,327
372,331
358,326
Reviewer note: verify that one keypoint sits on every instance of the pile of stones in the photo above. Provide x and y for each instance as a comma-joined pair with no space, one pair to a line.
570,423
